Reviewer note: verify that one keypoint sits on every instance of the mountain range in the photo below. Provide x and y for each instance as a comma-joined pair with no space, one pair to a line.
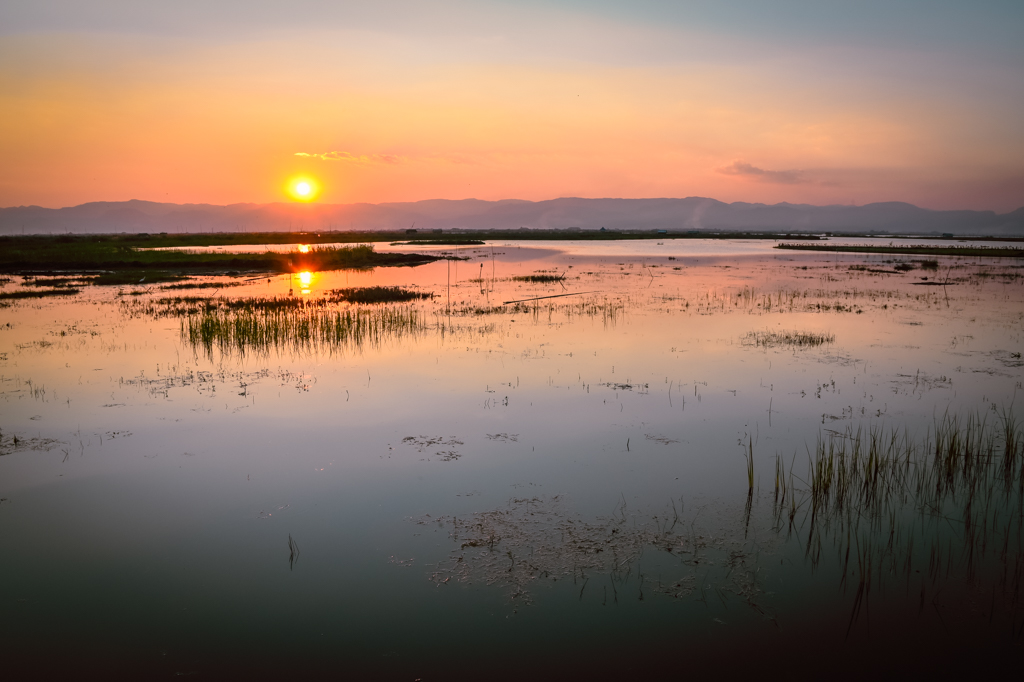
688,214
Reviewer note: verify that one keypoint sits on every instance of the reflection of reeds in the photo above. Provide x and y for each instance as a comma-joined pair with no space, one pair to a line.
949,506
750,465
293,552
300,330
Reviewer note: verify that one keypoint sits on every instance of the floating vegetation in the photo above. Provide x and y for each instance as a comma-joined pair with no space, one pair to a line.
10,444
206,382
425,443
539,279
627,386
771,339
897,270
504,437
533,542
202,285
377,295
261,329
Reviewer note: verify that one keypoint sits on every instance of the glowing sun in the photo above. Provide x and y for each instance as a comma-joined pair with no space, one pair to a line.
303,188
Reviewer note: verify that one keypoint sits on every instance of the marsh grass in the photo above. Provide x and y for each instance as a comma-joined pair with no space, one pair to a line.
201,285
56,282
39,293
441,242
377,295
307,329
986,251
770,339
539,279
944,509
125,258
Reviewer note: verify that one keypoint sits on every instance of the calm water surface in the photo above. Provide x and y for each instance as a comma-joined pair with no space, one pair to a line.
555,486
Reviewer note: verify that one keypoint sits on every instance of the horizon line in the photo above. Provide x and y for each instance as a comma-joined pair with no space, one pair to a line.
496,201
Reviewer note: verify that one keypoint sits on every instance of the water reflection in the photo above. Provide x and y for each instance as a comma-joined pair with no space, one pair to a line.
582,470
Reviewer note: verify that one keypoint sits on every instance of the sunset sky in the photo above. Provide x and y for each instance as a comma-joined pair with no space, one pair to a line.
225,102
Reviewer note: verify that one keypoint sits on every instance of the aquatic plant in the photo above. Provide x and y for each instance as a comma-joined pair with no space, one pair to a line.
39,293
202,285
539,279
535,542
945,507
56,282
770,339
377,295
129,259
295,329
950,250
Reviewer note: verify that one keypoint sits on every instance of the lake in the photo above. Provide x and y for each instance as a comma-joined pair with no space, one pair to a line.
767,461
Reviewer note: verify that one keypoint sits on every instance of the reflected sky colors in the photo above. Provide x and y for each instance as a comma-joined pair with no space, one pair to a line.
150,505
792,101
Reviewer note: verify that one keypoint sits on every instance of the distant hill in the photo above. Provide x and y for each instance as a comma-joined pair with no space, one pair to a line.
692,213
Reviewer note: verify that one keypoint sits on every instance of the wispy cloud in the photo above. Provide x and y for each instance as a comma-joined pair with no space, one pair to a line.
782,177
363,159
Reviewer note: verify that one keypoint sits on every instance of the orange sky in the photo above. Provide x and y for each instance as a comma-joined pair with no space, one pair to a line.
554,102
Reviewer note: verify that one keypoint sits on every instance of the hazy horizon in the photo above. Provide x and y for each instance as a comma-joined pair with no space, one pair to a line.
283,201
667,214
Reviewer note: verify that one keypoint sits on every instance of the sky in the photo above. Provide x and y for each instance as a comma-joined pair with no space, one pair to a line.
747,100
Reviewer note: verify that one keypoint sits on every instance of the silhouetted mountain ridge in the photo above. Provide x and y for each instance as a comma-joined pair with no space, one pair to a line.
686,214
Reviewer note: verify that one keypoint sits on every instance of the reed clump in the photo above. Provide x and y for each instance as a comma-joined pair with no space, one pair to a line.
948,506
377,295
37,293
296,329
771,339
539,279
201,285
56,282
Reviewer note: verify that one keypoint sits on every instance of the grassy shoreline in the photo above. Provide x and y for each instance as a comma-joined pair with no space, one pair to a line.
989,251
98,254
187,240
